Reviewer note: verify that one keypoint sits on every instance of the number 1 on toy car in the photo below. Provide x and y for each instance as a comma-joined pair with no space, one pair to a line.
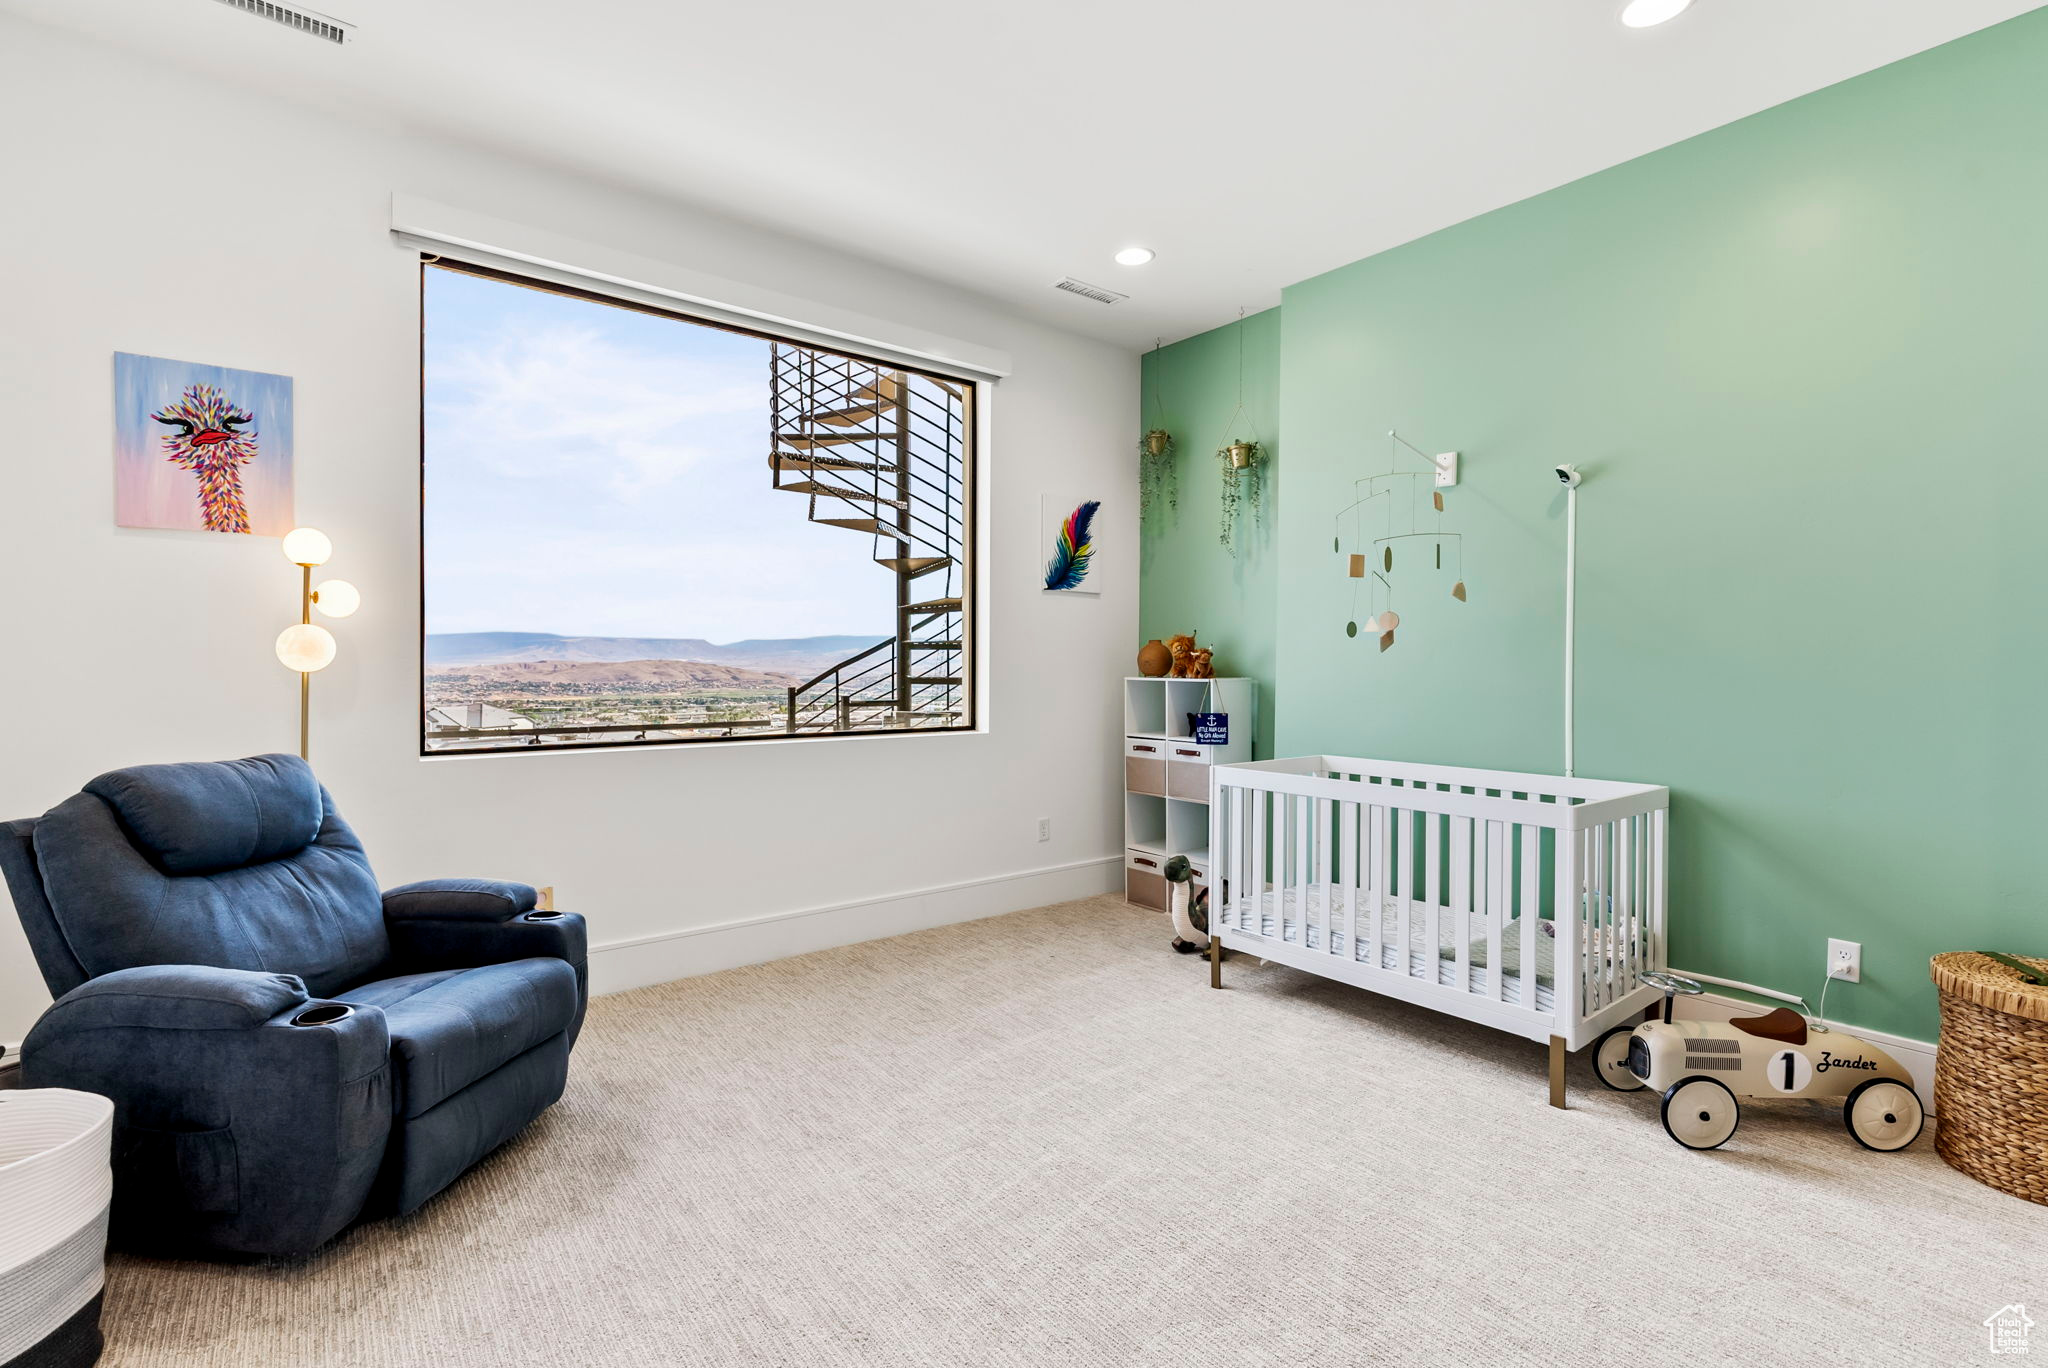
1789,1071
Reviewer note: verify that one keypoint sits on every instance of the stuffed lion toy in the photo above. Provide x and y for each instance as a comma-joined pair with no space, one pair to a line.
1182,649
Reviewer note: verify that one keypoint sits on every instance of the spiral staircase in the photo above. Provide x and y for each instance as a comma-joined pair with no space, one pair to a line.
881,453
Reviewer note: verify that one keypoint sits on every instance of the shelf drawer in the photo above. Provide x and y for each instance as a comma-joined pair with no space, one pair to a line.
1145,766
1144,883
1187,771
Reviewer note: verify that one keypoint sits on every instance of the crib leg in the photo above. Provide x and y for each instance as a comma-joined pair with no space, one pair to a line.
1215,961
1557,1072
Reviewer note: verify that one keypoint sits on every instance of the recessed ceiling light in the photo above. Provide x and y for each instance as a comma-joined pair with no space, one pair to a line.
1650,13
1135,256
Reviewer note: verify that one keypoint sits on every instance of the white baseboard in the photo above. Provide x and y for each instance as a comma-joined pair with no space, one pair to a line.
637,961
1916,1055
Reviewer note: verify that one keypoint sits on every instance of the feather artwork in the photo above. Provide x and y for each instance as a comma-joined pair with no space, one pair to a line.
1072,548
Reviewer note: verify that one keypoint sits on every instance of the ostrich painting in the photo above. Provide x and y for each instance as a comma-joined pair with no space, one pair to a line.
201,448
212,439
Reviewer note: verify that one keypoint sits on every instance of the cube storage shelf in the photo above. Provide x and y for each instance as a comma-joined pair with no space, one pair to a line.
1166,774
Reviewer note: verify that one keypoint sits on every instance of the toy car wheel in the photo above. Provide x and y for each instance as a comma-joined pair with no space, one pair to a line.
1700,1113
1610,1060
1884,1115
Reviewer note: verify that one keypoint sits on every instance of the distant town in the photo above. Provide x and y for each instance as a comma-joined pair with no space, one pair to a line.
486,690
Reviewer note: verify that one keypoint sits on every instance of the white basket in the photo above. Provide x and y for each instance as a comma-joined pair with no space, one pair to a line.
56,1185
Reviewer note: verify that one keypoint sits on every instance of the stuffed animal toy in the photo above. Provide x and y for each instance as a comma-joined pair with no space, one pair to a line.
1182,649
1201,663
1188,907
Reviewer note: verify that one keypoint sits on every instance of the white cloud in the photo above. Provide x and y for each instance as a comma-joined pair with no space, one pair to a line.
567,404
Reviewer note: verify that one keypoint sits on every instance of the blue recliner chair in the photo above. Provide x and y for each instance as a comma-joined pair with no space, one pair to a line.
287,1049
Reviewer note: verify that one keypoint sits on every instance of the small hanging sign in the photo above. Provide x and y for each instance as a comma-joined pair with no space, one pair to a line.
1212,729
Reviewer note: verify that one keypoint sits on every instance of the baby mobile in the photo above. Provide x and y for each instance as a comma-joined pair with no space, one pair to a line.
1396,494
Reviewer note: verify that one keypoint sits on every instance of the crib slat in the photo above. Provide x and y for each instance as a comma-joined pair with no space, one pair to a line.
1240,841
1347,845
1565,983
1304,870
1660,888
1277,855
1532,847
1432,852
1382,827
1604,910
1323,891
1405,885
1461,900
1225,884
1625,899
1496,906
1581,908
1262,897
1604,836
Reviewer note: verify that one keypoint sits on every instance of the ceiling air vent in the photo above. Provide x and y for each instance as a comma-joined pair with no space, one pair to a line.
305,21
1087,291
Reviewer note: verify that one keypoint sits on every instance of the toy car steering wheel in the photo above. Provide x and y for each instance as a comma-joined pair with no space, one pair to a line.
1671,983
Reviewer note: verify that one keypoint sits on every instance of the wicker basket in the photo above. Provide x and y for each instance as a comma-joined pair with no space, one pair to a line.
1991,1073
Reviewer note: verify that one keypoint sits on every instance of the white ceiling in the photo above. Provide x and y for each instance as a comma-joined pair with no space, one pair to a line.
1000,146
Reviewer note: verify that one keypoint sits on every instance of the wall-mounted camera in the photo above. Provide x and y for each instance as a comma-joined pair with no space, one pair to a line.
1569,476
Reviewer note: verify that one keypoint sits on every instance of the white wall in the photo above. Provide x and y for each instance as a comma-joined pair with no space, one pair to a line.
156,210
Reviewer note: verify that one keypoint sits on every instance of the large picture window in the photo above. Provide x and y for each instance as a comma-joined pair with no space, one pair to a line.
642,528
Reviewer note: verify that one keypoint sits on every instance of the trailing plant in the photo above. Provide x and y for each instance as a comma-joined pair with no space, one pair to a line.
1156,471
1242,485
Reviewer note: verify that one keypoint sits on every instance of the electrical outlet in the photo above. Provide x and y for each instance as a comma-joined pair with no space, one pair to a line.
1045,828
1845,960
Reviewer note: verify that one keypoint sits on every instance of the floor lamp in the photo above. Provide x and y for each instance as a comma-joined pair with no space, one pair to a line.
306,646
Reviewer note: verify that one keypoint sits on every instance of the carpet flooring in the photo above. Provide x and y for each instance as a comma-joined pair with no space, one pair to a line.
1042,1140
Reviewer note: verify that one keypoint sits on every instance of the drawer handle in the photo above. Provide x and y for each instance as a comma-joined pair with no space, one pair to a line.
1149,864
1196,754
1147,749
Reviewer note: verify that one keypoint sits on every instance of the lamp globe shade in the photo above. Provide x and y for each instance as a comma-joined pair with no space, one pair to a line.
336,598
307,546
305,647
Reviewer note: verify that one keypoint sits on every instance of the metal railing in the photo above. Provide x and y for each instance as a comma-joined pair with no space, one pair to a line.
885,451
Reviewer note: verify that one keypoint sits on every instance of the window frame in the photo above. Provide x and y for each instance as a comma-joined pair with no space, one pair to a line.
971,513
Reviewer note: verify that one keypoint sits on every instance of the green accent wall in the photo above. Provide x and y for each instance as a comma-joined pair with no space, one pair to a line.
1189,582
1803,360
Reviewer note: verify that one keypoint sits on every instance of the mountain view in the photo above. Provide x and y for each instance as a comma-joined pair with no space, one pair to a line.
519,680
803,656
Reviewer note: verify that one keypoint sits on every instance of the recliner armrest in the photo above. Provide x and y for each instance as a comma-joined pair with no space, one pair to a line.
187,997
248,1118
473,900
423,943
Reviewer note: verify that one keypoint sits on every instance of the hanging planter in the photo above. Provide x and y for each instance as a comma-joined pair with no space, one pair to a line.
1156,480
1241,487
1241,458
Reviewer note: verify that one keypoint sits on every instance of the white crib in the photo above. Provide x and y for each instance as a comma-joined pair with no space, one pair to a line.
1525,902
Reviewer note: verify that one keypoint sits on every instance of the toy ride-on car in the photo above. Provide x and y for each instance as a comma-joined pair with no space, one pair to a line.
1703,1067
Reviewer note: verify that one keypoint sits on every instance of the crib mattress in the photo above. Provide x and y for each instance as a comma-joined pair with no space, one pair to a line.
1307,931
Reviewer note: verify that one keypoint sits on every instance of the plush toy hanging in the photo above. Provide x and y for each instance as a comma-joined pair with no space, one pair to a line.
1188,907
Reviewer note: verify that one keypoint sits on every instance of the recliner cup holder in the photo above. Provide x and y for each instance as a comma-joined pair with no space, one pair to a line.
324,1014
543,916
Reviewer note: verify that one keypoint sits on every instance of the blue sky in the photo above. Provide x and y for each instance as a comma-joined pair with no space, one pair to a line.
595,471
